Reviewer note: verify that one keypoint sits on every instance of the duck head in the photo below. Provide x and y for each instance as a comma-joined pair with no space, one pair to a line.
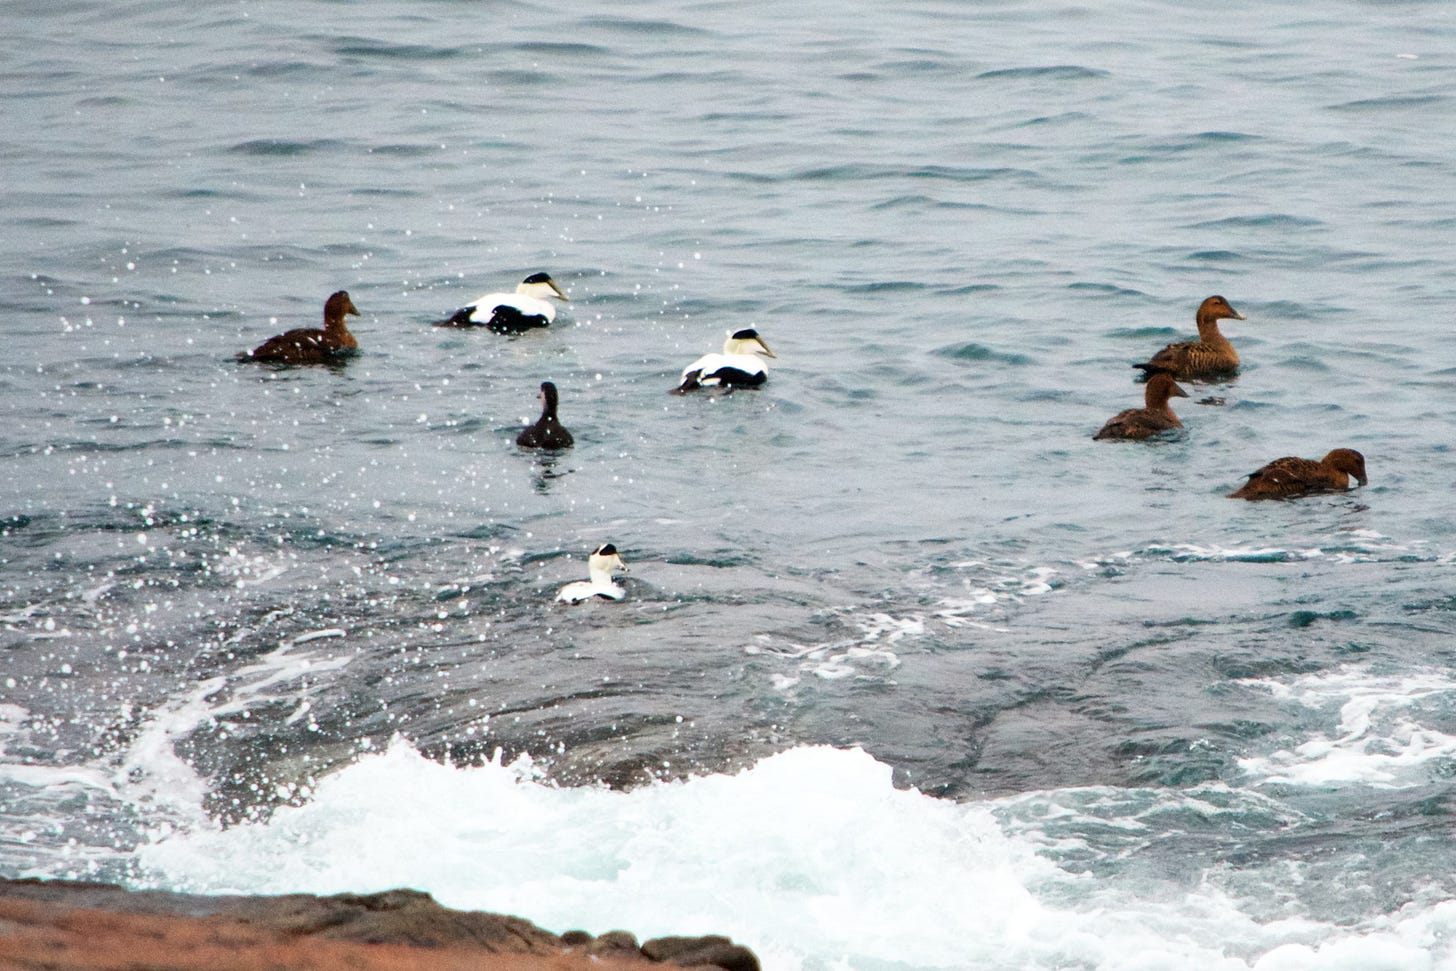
337,306
548,398
1348,461
605,561
747,341
542,286
1160,388
1217,308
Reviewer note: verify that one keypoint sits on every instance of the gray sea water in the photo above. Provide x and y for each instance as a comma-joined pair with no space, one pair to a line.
936,679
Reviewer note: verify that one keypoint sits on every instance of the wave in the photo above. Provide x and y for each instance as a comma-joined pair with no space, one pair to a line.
1359,546
1376,730
1059,72
972,352
815,860
282,147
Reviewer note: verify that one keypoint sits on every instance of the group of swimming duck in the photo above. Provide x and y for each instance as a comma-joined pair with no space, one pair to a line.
530,306
1209,358
1213,358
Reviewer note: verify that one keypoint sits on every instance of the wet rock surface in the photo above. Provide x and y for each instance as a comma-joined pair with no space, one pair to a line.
63,926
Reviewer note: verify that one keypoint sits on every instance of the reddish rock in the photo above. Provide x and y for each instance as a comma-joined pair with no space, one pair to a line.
63,926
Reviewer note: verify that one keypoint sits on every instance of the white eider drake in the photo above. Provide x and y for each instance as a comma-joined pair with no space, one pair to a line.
739,366
604,562
532,305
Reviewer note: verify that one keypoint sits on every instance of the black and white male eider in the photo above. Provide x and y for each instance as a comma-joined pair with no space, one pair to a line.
511,313
604,561
548,432
738,366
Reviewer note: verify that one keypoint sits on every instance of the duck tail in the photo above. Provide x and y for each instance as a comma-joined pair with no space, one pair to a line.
461,318
1149,369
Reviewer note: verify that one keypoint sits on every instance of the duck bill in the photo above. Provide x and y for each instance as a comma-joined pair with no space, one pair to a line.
559,292
1176,391
351,309
766,351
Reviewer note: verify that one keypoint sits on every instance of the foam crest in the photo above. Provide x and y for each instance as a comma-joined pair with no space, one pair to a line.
150,771
981,596
813,840
831,662
16,769
1358,546
1381,735
811,857
880,634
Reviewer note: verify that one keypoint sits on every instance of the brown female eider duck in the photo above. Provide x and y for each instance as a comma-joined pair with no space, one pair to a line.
512,313
1140,423
1211,356
548,432
305,345
1290,477
737,367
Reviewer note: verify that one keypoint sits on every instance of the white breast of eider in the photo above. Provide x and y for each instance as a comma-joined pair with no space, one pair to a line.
525,304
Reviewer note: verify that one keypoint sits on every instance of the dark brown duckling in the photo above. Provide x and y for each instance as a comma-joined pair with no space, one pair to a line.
1139,423
306,345
547,432
1289,477
1211,356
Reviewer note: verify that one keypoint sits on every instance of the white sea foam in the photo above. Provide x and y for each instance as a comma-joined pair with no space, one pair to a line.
810,857
1382,732
981,595
150,772
884,634
1358,546
251,570
15,769
831,662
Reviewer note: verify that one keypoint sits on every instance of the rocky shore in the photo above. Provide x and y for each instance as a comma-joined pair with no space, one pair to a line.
65,926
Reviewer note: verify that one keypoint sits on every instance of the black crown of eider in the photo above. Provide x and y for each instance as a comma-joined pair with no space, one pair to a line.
537,278
745,335
608,550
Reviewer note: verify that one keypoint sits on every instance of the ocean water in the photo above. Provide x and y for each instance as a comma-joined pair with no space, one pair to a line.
911,673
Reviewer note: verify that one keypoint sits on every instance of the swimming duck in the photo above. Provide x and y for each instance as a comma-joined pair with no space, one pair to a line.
1211,356
511,313
305,345
737,367
604,561
1139,423
1289,477
547,432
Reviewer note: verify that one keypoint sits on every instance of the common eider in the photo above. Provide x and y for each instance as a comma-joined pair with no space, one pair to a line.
738,366
548,432
605,561
511,313
1139,423
306,345
1211,356
1290,477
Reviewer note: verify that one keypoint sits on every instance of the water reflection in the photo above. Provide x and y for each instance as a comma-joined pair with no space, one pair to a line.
546,469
